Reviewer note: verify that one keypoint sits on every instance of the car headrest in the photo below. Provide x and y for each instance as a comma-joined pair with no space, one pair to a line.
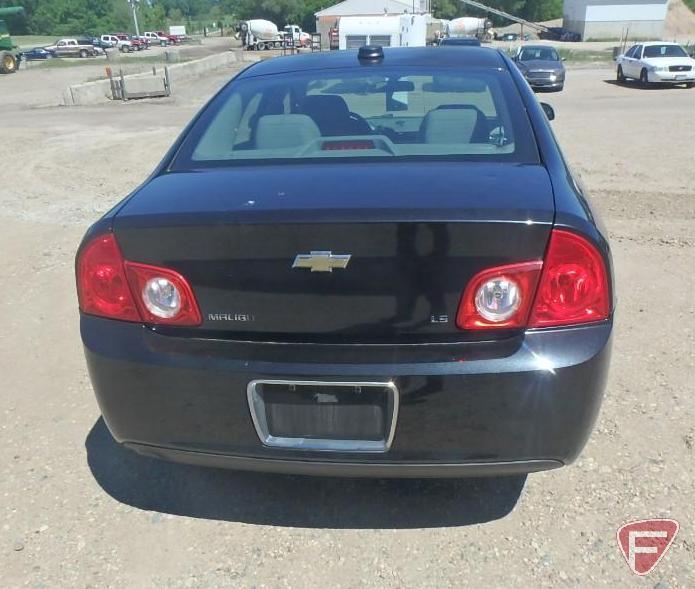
282,131
450,125
328,104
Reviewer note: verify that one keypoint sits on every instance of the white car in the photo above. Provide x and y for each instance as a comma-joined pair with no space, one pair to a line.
657,63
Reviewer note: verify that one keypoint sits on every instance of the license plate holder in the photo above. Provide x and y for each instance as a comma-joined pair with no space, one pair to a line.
326,416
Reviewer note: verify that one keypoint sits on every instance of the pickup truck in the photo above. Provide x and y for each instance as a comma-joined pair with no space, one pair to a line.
135,42
72,48
158,38
123,44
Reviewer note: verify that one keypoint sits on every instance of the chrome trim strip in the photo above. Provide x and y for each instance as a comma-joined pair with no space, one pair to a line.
257,408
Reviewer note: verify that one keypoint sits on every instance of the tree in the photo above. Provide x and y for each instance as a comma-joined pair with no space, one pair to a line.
447,8
545,10
74,17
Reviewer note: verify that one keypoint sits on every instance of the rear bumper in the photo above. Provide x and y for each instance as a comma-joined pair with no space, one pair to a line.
523,405
346,468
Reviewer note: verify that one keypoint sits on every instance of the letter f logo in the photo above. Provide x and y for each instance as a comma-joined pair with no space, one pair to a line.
644,542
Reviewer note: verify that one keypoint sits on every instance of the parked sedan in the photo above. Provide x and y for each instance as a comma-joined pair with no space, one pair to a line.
542,67
444,309
37,53
657,63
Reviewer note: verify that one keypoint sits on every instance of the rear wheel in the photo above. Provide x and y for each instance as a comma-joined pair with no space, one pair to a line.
8,63
620,76
644,77
83,53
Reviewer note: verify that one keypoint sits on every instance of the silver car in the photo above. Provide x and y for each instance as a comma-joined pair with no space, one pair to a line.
542,67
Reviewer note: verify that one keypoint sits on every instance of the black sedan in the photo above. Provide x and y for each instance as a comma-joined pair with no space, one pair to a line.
371,263
37,53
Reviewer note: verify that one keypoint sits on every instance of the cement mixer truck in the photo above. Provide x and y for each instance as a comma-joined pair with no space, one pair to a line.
9,58
259,34
468,26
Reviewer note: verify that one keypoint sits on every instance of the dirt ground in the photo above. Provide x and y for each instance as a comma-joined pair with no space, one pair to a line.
77,511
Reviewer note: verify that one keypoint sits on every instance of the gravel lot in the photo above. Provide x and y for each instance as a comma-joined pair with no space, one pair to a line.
77,511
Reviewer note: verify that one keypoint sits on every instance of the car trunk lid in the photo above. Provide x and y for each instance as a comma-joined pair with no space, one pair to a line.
341,252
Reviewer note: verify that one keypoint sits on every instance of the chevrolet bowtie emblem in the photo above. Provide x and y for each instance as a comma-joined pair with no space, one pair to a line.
321,261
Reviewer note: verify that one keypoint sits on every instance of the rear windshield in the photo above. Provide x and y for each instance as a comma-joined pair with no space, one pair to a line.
362,113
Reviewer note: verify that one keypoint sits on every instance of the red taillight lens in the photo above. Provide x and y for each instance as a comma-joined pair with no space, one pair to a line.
102,287
569,287
163,296
499,298
109,286
574,283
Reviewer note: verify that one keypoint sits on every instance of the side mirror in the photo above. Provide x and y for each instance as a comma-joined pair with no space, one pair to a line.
548,110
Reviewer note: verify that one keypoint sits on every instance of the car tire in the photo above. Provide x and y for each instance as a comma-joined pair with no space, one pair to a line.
49,56
8,63
644,77
620,76
84,53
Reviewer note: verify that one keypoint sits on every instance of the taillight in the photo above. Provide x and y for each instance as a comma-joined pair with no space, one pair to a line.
162,295
569,287
109,286
573,288
499,297
102,286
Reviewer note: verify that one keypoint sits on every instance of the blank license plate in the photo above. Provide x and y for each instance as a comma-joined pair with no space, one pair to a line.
311,415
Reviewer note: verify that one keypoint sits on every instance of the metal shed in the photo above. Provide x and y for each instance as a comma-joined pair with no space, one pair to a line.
610,19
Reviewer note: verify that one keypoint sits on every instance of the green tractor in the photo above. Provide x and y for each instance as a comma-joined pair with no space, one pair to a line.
9,60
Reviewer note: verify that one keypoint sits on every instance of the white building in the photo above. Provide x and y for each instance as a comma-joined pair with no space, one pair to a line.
330,17
407,30
610,19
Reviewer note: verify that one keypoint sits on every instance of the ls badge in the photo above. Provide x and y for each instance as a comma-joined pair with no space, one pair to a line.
321,261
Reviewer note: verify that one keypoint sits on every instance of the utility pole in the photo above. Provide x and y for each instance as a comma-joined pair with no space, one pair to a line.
134,5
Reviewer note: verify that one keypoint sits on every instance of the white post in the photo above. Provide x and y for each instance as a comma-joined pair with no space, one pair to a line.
133,5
